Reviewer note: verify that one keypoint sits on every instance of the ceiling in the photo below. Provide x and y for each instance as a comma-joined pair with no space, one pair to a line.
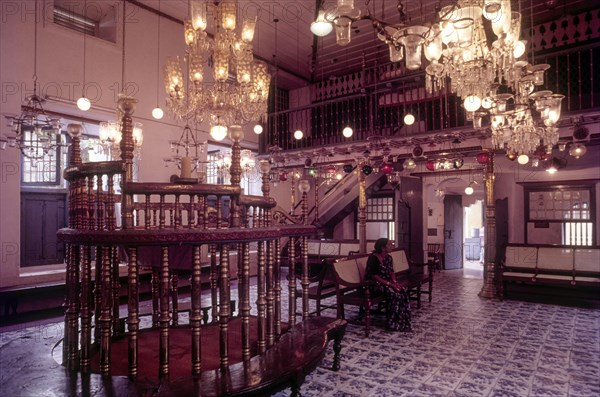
283,35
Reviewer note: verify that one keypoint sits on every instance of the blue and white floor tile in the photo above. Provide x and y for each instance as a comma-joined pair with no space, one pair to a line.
464,346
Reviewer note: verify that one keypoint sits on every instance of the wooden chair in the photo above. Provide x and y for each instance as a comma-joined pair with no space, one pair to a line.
322,284
352,289
434,254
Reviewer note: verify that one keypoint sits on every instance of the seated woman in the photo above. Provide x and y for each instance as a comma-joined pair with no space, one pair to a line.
380,268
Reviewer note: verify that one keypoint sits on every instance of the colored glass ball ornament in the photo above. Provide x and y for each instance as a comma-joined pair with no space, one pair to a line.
483,157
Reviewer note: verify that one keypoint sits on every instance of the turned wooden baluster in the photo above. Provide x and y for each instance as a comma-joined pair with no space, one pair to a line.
105,311
174,297
133,319
155,285
163,320
244,298
111,224
277,288
291,282
147,213
86,310
71,323
261,299
224,312
195,316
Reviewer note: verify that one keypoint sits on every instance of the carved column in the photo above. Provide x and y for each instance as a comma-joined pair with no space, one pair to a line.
235,170
362,210
490,287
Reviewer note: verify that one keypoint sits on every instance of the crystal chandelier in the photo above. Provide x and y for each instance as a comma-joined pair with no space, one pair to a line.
187,153
491,80
240,89
110,136
247,163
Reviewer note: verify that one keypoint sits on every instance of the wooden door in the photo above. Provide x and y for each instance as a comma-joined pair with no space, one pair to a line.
501,228
403,233
41,216
453,232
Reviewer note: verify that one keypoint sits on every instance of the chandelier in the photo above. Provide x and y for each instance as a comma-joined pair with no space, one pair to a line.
35,133
187,153
490,79
240,89
247,164
109,134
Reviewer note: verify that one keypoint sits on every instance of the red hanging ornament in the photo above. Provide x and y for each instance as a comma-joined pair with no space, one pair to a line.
483,157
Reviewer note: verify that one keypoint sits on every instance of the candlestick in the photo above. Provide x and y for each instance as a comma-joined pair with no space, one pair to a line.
186,167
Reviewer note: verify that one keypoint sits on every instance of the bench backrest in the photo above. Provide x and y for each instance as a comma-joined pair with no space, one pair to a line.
329,249
346,248
400,261
347,271
555,258
587,260
521,257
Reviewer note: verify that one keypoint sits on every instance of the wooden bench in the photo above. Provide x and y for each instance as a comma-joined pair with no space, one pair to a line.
352,289
561,267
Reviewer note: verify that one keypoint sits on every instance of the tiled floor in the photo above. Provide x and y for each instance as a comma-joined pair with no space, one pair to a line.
461,345
466,346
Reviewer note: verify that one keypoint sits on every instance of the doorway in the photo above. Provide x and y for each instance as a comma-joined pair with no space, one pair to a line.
453,232
473,238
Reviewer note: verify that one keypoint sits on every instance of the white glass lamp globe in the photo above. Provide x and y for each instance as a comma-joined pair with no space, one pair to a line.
472,103
157,113
469,190
258,129
523,159
347,132
409,119
84,104
218,132
298,134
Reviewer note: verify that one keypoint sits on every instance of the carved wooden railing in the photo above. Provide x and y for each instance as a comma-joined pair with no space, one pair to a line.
176,217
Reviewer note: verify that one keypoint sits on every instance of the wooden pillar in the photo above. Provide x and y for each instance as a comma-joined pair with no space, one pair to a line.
362,210
105,321
86,310
261,301
490,286
292,282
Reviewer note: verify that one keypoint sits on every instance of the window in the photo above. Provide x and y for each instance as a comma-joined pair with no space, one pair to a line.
380,218
69,19
40,167
560,215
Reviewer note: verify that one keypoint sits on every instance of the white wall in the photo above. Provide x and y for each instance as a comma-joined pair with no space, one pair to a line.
60,73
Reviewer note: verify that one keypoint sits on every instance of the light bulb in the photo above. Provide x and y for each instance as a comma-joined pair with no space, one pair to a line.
523,159
469,190
258,129
298,134
347,132
409,119
84,104
472,103
157,113
519,48
218,132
